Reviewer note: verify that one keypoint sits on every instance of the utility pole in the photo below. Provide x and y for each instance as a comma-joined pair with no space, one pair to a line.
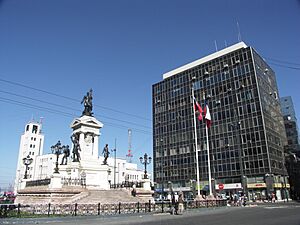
115,161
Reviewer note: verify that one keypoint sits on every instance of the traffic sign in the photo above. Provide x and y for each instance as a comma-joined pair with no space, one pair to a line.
221,186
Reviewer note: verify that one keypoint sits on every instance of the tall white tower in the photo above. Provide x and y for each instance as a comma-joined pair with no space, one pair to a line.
31,144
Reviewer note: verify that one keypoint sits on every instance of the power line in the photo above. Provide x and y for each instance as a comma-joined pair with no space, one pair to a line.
66,107
282,61
27,105
284,66
71,99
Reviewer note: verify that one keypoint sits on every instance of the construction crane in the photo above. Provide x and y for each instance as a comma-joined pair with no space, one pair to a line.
129,155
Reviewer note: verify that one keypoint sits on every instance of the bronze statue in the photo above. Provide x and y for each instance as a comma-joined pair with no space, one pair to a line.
66,153
105,154
87,103
76,147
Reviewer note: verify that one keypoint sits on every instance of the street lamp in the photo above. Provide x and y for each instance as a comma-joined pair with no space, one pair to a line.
57,149
27,161
146,161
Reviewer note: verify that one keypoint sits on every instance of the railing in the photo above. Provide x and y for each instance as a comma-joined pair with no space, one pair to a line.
33,183
18,210
73,181
127,184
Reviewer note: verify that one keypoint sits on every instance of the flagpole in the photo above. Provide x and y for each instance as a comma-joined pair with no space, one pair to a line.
196,143
208,161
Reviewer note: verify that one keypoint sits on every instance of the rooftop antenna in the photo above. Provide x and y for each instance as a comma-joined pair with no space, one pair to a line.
216,46
225,42
239,32
41,121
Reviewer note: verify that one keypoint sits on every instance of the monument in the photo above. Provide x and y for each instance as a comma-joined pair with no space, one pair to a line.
80,172
85,139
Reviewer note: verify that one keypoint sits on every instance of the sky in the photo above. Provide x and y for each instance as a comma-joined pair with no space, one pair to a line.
53,51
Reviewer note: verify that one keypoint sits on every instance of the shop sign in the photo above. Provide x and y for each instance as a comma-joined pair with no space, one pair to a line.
257,185
229,186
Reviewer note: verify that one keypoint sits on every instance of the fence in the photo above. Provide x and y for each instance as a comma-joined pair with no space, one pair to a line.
42,182
127,184
18,210
74,181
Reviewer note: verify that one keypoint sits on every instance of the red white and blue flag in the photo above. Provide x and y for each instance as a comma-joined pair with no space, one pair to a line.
198,109
207,116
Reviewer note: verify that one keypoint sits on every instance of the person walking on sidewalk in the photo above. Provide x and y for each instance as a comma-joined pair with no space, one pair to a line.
180,203
174,207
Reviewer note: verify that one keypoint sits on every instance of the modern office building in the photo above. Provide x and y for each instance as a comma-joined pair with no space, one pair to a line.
292,149
290,122
287,108
247,135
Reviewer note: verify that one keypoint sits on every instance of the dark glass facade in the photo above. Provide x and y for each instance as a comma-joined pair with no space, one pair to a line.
247,133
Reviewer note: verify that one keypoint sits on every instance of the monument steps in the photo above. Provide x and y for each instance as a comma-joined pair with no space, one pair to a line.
70,196
108,197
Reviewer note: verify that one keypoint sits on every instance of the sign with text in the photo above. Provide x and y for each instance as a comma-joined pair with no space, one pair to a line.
228,186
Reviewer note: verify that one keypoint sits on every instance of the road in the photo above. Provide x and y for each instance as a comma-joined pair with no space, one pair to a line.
264,214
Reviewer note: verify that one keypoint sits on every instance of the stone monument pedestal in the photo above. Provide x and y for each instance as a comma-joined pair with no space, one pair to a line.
55,182
199,198
145,192
88,174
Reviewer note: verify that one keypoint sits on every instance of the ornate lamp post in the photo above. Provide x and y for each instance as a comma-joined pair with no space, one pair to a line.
146,160
57,149
27,161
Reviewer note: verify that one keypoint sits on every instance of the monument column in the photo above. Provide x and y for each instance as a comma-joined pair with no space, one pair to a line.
95,151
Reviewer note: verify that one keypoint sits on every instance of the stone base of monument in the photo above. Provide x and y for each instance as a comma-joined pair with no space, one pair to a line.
210,197
145,192
199,198
55,182
90,174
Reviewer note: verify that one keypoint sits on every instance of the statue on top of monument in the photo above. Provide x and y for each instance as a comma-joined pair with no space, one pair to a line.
66,152
105,154
76,147
87,103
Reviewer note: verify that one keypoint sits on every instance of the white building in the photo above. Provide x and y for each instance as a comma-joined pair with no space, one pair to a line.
31,144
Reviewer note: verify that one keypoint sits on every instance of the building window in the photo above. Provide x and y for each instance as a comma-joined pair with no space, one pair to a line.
34,129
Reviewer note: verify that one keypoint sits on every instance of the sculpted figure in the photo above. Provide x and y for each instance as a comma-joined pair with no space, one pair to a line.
66,153
76,147
105,154
87,103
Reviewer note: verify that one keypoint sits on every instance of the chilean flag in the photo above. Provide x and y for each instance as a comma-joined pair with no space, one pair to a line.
207,116
198,108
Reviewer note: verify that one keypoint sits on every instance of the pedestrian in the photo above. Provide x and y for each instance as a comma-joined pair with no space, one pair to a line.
235,200
180,203
273,197
174,209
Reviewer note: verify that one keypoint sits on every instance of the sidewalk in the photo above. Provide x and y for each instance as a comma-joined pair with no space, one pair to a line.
117,219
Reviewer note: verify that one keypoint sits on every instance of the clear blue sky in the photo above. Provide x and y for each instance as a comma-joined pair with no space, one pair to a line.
120,48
